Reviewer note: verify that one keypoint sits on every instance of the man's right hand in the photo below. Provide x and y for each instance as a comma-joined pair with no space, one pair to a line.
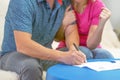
73,58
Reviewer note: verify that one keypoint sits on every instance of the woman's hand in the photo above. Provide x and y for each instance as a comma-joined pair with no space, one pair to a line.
69,17
104,15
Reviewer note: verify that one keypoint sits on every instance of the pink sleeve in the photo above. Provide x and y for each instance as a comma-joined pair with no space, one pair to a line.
96,10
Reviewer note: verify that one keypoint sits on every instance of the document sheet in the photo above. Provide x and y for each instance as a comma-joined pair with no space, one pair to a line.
101,65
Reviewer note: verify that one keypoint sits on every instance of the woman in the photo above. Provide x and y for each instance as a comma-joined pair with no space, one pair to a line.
91,16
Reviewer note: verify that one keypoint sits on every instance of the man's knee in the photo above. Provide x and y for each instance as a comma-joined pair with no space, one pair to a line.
26,67
31,69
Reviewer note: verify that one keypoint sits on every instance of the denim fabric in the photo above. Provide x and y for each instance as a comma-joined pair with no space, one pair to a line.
0,54
34,17
100,53
97,53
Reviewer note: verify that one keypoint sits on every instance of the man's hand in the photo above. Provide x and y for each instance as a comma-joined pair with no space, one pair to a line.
73,57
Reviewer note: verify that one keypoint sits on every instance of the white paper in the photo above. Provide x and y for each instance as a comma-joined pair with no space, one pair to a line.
101,65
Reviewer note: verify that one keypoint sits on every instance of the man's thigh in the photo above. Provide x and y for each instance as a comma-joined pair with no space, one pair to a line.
16,62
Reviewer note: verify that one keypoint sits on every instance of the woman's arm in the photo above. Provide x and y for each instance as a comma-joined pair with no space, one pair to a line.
68,30
71,36
69,17
95,32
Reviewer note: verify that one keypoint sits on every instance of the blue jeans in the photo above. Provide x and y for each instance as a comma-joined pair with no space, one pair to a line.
0,54
97,53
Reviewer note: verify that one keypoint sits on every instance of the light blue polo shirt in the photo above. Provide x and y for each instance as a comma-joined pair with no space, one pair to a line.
34,17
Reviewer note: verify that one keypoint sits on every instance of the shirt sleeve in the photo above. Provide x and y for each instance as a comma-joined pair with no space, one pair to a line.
96,10
19,16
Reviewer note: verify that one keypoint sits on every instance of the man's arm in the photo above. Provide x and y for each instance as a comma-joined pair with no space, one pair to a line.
25,45
21,24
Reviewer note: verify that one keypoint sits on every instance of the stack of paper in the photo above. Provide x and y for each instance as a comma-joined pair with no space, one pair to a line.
101,65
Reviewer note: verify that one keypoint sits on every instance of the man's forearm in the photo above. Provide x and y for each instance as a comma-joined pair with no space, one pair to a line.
27,46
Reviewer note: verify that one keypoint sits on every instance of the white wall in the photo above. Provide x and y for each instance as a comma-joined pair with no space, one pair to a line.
114,6
3,9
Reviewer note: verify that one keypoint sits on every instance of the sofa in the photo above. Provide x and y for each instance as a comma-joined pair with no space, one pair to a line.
109,41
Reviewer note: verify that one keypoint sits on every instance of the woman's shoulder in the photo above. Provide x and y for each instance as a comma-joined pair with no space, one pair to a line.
96,7
98,3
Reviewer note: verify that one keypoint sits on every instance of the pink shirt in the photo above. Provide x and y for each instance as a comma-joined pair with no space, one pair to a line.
90,16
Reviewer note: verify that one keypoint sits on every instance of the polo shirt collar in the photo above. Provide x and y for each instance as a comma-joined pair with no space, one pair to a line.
39,1
59,1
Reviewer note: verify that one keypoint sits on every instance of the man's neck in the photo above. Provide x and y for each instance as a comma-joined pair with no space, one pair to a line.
51,3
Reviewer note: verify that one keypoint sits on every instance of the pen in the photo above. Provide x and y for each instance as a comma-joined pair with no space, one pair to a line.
113,61
77,49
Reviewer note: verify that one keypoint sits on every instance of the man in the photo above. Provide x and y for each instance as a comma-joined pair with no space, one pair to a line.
30,28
